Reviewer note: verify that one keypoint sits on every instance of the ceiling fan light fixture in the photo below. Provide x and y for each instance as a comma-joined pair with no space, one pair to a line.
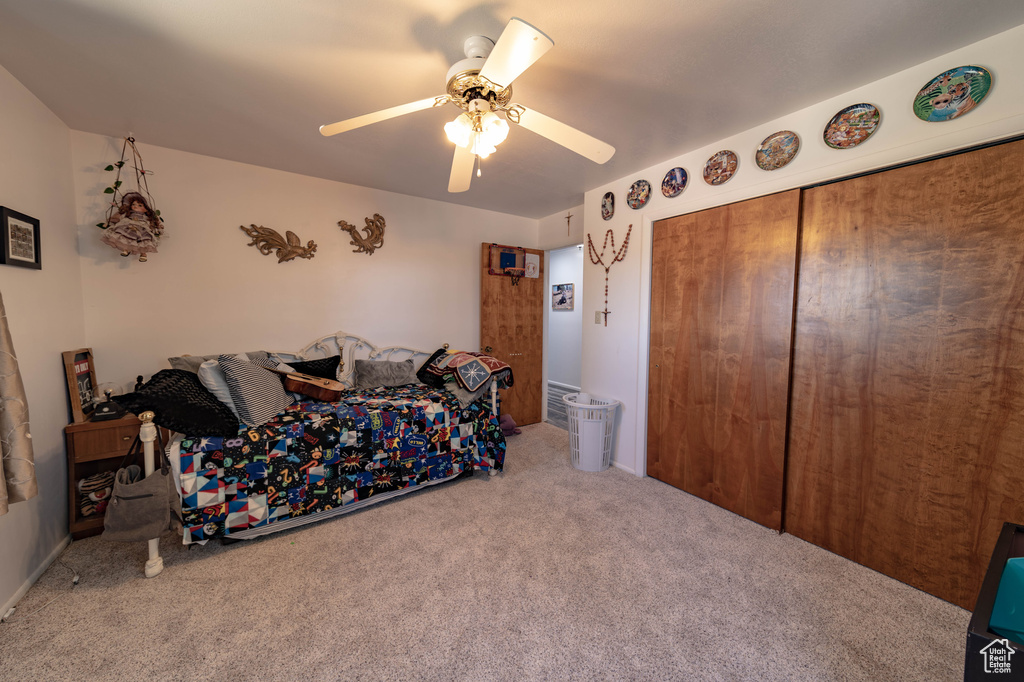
481,85
460,131
481,148
493,128
480,132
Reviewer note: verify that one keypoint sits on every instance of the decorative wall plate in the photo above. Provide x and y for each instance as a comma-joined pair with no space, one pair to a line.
720,168
639,194
852,125
777,150
952,93
608,206
674,182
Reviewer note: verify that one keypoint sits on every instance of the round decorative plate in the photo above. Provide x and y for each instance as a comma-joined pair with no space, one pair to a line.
720,168
608,206
852,125
952,93
674,182
777,150
639,194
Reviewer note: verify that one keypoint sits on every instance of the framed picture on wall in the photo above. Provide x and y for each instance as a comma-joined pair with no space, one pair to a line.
81,376
561,297
20,236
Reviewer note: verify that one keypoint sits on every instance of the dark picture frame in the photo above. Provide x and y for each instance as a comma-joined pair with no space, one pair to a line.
81,375
19,235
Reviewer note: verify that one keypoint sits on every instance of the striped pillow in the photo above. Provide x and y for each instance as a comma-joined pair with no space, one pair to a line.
258,393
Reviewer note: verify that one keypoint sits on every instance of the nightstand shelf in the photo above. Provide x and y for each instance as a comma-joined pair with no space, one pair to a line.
94,447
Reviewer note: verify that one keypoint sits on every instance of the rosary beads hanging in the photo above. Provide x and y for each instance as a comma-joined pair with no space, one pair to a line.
597,259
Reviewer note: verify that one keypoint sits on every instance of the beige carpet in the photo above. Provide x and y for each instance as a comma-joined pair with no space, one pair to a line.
543,572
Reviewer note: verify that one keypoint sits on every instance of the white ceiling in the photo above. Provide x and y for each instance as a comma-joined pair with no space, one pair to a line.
252,80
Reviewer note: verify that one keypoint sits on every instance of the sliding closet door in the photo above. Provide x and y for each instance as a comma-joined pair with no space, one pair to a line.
907,430
721,324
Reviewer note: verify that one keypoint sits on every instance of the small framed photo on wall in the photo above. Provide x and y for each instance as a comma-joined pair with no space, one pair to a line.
561,296
81,375
20,236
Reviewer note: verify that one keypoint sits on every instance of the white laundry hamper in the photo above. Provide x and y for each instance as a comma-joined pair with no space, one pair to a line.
590,430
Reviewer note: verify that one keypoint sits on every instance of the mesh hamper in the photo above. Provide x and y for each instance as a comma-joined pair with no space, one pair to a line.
590,431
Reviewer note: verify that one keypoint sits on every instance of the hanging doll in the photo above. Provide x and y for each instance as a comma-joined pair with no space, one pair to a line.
134,228
133,225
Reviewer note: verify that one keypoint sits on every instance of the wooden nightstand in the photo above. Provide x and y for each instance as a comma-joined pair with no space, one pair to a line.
93,447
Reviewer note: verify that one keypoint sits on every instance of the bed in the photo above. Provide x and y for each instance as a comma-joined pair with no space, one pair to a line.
316,460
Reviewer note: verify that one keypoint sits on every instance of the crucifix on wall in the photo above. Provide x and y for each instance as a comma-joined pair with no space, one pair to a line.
568,217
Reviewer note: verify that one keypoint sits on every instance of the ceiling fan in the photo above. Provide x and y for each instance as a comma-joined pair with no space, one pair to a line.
481,85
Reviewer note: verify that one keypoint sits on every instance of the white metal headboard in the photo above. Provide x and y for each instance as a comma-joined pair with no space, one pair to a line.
351,348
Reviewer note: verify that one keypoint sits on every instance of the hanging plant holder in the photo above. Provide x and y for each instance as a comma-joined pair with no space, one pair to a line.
133,224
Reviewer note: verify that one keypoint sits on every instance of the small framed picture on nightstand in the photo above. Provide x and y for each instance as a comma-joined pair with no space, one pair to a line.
81,375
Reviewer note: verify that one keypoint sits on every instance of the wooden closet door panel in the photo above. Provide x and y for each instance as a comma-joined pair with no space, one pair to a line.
722,297
907,422
685,288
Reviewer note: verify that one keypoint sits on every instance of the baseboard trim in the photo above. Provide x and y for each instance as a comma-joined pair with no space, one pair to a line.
27,585
624,468
574,389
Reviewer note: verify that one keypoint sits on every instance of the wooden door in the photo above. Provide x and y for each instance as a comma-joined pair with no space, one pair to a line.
512,325
906,448
721,324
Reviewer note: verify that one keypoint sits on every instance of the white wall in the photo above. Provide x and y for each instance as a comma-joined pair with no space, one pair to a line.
615,357
44,312
565,327
554,231
206,291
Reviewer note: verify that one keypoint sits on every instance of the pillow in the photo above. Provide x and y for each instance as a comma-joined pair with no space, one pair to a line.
257,393
212,377
374,373
181,403
325,368
428,378
191,363
465,397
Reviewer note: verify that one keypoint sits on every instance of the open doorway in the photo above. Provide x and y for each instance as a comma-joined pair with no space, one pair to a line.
563,320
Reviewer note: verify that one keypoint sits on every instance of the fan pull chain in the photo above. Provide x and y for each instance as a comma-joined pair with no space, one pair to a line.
478,173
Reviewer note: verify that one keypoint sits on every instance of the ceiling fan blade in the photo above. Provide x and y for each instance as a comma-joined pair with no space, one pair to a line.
376,117
519,46
462,170
567,136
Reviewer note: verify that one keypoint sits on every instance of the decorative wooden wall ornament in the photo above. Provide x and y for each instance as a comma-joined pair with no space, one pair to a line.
599,260
287,247
374,234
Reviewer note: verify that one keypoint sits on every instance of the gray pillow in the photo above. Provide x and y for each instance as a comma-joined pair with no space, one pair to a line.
191,363
375,373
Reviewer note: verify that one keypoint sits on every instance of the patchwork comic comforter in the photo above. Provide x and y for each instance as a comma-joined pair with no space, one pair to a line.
320,459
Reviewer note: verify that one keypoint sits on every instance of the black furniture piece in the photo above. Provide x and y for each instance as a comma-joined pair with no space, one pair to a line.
988,657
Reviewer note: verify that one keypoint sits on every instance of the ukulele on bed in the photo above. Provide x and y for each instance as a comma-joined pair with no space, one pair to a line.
325,390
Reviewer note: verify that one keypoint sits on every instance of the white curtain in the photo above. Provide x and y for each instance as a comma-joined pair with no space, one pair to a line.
18,482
